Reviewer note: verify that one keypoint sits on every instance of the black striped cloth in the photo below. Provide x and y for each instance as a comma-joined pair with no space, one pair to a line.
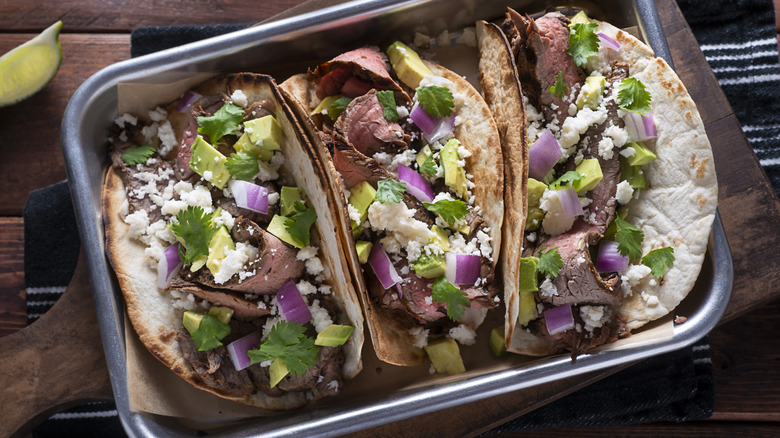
738,39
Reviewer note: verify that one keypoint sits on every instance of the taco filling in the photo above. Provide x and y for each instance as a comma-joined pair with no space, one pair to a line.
256,310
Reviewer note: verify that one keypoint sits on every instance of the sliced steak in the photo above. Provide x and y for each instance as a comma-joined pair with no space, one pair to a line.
214,368
363,125
355,167
137,179
244,309
330,362
205,106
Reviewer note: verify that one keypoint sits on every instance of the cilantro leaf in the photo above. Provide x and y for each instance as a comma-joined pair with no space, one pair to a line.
286,341
633,96
138,155
300,222
209,333
338,106
559,89
243,165
225,121
629,239
566,179
450,211
658,260
436,101
550,262
194,229
454,298
387,100
429,167
390,191
583,42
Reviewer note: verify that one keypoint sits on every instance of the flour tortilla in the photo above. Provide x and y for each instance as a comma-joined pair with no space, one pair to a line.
152,312
676,209
478,133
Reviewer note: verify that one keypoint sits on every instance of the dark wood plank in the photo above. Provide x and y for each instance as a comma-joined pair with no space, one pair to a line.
13,313
711,429
31,129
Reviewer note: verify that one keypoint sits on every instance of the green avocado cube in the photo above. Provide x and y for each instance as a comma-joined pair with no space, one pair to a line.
360,197
429,265
287,199
533,219
220,241
591,92
454,175
407,64
590,170
264,132
527,311
278,229
191,320
633,174
527,275
496,341
642,155
445,356
363,249
424,153
209,163
334,335
244,144
277,371
580,17
223,314
440,238
326,105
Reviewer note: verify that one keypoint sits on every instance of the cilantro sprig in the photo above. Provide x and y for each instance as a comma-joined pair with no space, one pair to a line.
658,260
390,191
225,121
566,179
138,155
210,333
243,165
629,239
195,230
387,100
300,222
287,342
559,89
429,167
436,101
449,210
633,96
550,262
583,42
454,298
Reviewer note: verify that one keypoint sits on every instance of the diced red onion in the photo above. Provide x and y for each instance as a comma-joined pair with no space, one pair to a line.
570,202
187,100
415,184
542,155
382,266
238,349
608,42
559,319
291,304
169,265
250,196
433,128
609,259
355,87
639,127
462,268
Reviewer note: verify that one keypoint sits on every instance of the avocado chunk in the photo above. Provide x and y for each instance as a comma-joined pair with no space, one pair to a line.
454,175
334,335
533,219
363,250
264,132
329,105
445,356
220,241
424,153
580,17
429,265
642,155
407,64
527,311
278,229
191,320
590,170
277,371
223,314
207,162
527,275
287,199
633,174
591,92
244,144
496,341
440,238
360,198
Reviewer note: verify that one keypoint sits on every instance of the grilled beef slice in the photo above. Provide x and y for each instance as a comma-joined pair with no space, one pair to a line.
363,125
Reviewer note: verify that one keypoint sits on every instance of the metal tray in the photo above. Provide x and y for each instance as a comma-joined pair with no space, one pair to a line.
291,45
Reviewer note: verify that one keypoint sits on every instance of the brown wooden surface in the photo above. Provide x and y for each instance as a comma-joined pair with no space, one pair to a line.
96,34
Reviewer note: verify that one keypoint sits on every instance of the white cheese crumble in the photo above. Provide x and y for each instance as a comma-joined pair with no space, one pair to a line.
167,138
548,289
398,221
632,276
624,192
420,336
239,98
555,221
595,316
306,288
158,115
235,261
463,334
126,118
319,316
139,222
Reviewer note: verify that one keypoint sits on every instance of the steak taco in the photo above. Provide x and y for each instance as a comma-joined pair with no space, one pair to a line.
618,183
219,228
416,160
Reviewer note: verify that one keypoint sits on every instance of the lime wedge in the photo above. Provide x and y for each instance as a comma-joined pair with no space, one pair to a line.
26,69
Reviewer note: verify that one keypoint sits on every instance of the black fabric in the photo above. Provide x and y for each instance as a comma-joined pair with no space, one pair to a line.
149,39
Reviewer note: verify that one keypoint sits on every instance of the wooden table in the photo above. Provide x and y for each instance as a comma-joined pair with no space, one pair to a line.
745,347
